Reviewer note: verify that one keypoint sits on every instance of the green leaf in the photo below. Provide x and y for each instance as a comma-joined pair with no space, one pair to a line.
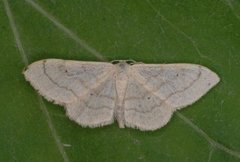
150,31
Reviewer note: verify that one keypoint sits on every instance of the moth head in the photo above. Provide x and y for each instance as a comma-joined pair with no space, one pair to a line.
123,62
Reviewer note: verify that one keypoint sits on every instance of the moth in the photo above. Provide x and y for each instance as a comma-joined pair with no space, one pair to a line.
136,95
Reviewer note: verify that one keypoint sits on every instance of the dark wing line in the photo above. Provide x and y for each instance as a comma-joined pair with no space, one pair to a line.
163,100
55,83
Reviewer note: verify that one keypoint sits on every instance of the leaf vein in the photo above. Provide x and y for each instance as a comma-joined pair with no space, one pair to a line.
211,141
67,31
25,60
189,38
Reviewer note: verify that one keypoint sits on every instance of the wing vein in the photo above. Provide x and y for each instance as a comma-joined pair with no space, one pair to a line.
55,83
179,91
164,101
